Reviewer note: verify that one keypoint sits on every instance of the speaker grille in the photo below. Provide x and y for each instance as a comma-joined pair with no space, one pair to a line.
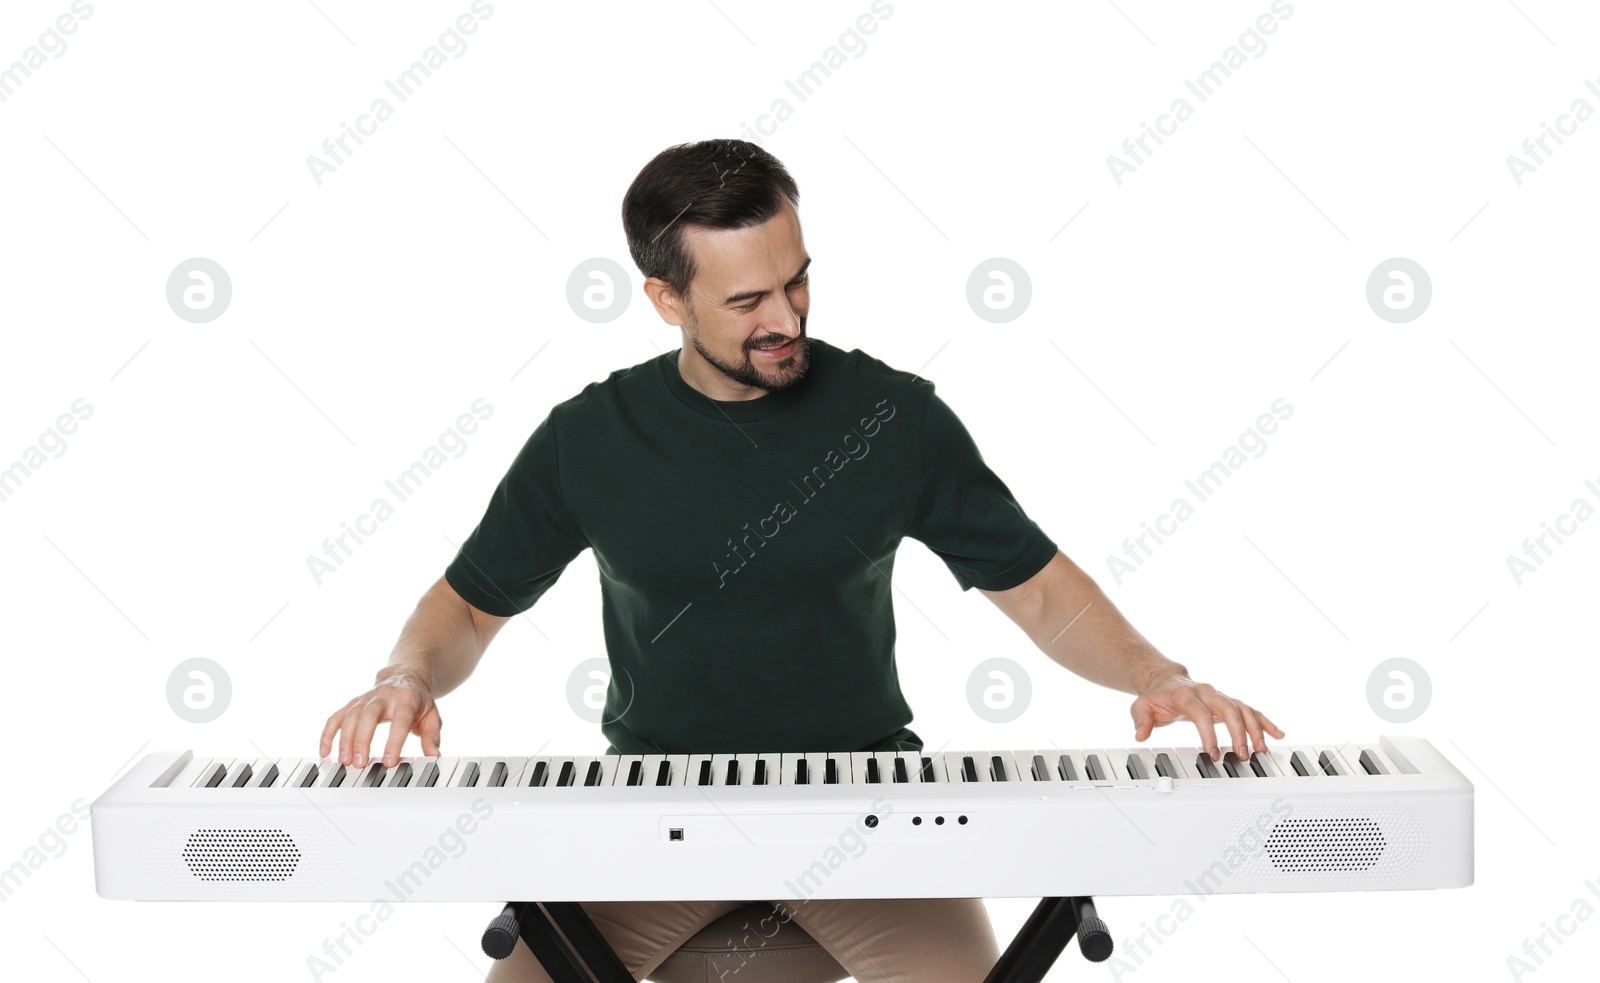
1317,847
241,855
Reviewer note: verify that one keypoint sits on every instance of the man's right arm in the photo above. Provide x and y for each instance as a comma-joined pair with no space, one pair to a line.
438,648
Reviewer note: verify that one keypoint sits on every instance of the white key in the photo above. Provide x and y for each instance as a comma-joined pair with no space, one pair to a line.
190,773
719,769
1181,767
1146,758
624,767
747,769
652,769
276,773
468,773
214,774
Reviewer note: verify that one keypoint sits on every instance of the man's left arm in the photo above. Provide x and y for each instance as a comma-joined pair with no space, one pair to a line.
1072,621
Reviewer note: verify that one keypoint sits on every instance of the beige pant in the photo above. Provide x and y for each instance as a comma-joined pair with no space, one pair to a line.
917,940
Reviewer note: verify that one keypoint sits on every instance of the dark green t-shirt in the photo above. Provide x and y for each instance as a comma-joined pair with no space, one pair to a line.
745,547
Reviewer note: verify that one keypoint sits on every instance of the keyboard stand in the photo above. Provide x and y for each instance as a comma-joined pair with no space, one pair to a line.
1054,923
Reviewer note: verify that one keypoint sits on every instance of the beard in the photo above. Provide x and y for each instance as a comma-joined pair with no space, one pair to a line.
787,372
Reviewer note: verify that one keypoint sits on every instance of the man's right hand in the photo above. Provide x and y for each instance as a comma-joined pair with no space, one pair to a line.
400,698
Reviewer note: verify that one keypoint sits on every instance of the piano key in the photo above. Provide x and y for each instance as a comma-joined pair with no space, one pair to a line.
635,772
720,775
760,775
747,768
1182,760
1039,768
301,776
1331,761
539,773
932,769
1381,757
213,774
1144,759
680,768
268,776
373,776
1279,756
593,772
1066,767
830,771
1303,764
901,773
1164,765
468,773
664,772
516,766
700,769
190,773
401,774
567,774
997,768
1115,761
858,764
428,774
1236,767
802,771
1205,767
1371,764
704,775
650,769
1094,768
332,774
1261,763
608,767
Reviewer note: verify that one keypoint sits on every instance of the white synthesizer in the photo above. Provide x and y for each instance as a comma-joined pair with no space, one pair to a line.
1390,815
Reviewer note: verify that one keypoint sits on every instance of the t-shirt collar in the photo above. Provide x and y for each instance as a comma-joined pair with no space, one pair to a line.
735,410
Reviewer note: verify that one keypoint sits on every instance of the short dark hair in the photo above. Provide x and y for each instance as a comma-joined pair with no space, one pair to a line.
719,184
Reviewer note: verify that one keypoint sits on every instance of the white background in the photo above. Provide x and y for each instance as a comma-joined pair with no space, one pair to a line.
1168,312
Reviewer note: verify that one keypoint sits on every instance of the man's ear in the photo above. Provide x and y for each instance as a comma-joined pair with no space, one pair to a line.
667,303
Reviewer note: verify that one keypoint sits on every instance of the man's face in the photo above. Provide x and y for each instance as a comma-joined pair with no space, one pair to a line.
746,313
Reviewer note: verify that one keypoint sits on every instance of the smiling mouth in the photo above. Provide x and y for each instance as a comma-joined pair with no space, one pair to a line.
778,351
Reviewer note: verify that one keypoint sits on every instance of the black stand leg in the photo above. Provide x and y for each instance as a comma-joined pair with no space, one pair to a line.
534,926
1047,931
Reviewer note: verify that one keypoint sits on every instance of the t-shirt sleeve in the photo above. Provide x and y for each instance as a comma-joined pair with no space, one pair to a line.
965,513
526,537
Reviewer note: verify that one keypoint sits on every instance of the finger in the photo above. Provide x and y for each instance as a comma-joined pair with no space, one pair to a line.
428,729
1143,720
1252,727
399,730
372,714
347,732
1228,711
1271,727
329,730
1196,710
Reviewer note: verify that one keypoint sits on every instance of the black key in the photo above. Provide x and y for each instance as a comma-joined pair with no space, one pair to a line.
705,772
429,776
636,773
593,777
830,774
733,772
241,778
270,777
927,769
761,771
1041,771
469,775
310,777
1373,766
569,773
664,773
969,771
1302,765
402,775
214,777
497,775
1136,767
872,771
1328,762
1065,768
1205,766
900,770
800,775
375,776
1258,764
1091,764
540,776
997,768
1235,767
1164,766
338,777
